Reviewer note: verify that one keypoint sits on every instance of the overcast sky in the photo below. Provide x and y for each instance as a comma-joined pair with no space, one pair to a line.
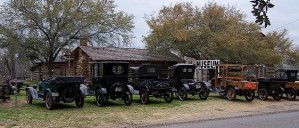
283,16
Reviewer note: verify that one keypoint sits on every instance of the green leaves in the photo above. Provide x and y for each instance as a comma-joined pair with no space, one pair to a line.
260,9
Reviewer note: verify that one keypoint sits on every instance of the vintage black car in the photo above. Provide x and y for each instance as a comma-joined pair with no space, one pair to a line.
289,82
146,80
109,81
275,86
182,76
63,88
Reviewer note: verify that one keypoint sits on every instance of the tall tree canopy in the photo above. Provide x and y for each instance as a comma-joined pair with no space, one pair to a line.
213,32
43,27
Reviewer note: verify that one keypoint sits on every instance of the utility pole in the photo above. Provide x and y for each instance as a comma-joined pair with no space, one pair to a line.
16,80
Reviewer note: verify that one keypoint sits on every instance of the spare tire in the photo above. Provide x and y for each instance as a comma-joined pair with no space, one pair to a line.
69,94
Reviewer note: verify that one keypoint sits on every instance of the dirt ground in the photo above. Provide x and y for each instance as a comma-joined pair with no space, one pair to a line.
223,109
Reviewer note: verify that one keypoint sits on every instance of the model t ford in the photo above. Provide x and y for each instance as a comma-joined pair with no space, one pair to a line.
275,86
146,79
66,89
183,80
109,81
291,86
233,79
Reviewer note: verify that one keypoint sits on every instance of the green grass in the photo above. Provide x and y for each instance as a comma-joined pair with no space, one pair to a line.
68,115
116,114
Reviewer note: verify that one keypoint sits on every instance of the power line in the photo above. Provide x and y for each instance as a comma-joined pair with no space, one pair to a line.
286,24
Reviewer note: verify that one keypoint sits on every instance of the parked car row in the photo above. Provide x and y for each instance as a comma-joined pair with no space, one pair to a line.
109,80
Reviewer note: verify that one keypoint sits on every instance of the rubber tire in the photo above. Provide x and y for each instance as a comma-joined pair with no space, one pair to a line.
291,94
168,96
79,102
72,97
128,98
144,96
277,96
249,95
231,93
49,101
263,91
204,94
100,99
28,97
182,93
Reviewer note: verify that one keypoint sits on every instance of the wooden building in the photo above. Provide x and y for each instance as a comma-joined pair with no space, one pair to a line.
84,56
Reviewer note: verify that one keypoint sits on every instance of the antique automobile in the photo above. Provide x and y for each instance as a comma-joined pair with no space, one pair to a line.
292,85
13,86
275,86
4,92
63,88
233,79
145,79
182,76
109,81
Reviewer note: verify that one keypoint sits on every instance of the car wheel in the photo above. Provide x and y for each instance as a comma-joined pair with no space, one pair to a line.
100,99
168,96
204,94
231,93
128,98
291,94
262,94
144,96
79,102
277,95
182,93
49,101
28,97
249,95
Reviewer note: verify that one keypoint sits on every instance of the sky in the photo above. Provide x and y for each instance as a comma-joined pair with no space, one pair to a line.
283,16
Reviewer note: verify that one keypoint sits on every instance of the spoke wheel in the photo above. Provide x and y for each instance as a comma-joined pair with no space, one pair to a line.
263,94
231,93
182,93
100,98
204,94
277,95
249,95
291,94
49,101
168,96
144,96
128,98
28,97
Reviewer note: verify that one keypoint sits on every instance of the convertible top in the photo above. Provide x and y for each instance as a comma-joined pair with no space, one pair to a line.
67,80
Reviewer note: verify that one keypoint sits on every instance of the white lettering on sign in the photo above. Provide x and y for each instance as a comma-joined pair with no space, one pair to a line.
207,64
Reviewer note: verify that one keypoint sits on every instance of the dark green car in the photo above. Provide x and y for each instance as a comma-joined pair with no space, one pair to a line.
65,89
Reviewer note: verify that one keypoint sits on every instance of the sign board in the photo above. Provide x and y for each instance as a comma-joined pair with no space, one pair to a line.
206,64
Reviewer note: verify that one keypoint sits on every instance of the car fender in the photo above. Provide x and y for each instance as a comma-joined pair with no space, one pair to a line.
282,89
32,91
186,86
83,89
103,90
130,88
146,87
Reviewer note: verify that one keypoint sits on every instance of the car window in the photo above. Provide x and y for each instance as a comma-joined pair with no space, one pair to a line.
118,69
151,70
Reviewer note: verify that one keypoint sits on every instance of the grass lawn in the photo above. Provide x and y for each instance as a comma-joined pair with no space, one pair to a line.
116,114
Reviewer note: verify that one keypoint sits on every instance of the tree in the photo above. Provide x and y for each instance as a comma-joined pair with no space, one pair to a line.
44,27
260,9
213,32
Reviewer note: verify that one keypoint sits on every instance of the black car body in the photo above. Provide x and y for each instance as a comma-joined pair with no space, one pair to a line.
275,86
109,81
182,76
146,79
64,88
